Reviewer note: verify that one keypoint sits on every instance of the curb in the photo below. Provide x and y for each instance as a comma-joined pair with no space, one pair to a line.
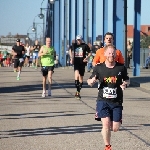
145,86
134,83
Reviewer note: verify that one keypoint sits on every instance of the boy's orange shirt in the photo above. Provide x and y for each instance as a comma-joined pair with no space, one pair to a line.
100,58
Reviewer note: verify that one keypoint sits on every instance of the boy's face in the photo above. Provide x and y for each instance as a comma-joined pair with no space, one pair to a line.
108,39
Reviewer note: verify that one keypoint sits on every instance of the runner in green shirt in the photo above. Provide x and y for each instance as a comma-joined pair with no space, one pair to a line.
47,54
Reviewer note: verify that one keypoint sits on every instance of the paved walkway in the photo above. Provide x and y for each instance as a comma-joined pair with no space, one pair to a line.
29,122
143,80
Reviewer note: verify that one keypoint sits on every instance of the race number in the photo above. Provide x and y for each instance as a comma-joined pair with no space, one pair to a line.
21,59
109,92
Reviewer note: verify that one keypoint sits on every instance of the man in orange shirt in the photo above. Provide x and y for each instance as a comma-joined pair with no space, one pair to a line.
100,58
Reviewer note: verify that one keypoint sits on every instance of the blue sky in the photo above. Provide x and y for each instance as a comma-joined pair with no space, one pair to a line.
16,16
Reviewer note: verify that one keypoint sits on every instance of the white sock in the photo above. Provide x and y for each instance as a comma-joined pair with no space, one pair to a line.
44,91
18,74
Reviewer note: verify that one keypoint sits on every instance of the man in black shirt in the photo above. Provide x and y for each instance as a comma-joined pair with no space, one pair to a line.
18,51
113,79
79,59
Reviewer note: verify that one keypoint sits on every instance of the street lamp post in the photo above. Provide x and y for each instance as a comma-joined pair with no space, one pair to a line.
34,28
28,38
42,16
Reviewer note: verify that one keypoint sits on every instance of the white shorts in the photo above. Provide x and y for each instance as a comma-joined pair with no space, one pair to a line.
35,55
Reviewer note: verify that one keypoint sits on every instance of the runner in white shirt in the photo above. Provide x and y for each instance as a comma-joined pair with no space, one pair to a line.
27,47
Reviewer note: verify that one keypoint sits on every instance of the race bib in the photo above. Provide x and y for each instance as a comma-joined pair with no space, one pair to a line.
109,92
79,52
21,59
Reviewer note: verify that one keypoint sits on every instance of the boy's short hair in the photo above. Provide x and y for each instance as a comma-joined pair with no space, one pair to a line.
109,33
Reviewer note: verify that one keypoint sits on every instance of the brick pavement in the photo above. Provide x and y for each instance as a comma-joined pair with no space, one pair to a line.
29,122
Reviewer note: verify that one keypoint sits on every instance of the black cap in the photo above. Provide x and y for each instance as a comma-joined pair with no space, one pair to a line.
18,40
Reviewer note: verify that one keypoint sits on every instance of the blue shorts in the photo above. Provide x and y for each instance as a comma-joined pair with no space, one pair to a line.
35,55
108,109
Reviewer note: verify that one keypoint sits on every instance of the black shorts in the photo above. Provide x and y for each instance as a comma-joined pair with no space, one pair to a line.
27,57
46,69
4,59
80,68
17,63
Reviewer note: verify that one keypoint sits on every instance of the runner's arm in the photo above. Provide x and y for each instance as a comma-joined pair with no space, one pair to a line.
92,79
126,80
96,59
121,59
41,53
13,51
23,51
89,53
70,52
54,54
32,48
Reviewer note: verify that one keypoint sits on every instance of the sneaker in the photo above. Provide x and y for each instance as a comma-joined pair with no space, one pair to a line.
49,92
145,67
77,95
108,147
43,94
18,78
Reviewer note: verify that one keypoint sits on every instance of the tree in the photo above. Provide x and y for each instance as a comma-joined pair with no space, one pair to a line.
145,41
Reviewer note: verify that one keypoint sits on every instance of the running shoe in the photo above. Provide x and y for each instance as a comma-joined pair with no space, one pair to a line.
43,94
77,95
49,92
18,78
108,147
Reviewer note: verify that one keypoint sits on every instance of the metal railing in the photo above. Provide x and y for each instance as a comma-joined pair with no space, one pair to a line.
144,53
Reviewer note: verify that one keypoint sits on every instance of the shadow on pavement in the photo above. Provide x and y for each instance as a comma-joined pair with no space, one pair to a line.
138,80
41,115
35,87
51,131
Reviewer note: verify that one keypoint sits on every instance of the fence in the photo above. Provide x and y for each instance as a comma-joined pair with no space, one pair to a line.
3,47
144,53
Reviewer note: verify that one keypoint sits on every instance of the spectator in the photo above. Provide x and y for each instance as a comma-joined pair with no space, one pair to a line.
1,59
5,53
30,60
147,61
8,61
89,63
67,56
56,61
129,53
95,47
